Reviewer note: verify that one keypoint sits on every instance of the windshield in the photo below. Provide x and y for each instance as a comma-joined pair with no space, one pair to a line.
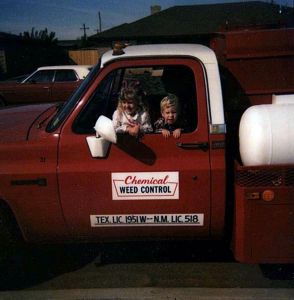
65,110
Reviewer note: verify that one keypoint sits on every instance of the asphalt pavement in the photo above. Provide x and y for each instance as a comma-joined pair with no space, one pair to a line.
154,293
141,270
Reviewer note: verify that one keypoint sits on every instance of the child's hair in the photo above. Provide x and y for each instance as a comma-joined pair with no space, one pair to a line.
168,101
130,91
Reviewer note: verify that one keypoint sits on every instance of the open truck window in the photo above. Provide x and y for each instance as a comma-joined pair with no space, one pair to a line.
154,83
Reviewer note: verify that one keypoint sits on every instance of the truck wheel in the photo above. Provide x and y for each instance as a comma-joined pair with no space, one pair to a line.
10,237
2,102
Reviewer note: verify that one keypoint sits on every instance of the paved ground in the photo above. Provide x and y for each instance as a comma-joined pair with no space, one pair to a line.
147,270
155,293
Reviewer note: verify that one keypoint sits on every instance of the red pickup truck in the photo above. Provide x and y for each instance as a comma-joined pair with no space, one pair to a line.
62,181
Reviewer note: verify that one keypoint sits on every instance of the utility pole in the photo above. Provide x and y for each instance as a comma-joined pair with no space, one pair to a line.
85,28
99,29
99,16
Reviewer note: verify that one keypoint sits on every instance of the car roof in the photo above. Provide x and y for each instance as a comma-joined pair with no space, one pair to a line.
81,70
62,67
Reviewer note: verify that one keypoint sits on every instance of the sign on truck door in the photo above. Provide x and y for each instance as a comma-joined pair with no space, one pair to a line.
147,185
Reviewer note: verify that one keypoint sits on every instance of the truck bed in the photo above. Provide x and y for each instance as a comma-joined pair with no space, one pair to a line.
264,214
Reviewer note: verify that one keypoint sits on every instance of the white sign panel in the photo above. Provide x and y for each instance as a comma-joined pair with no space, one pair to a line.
147,220
145,185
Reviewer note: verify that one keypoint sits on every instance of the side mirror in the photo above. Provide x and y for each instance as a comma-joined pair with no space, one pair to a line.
105,134
104,128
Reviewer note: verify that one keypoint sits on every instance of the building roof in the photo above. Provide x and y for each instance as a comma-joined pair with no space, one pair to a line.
201,20
8,37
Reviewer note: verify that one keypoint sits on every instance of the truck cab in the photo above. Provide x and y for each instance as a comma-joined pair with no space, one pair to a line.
142,184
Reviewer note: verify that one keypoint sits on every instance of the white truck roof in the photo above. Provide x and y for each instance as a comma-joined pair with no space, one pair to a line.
200,52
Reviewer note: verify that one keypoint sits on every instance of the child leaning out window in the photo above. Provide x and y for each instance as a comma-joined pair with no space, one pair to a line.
169,123
130,116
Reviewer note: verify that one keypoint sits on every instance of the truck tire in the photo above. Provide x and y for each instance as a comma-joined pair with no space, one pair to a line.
2,102
10,236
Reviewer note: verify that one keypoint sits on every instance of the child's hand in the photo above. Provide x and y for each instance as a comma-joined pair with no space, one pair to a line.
165,133
133,130
177,133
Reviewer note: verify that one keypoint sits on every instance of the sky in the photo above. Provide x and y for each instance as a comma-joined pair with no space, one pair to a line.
66,17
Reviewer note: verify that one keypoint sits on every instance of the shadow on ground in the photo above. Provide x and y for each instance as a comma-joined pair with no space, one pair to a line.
278,271
166,251
34,265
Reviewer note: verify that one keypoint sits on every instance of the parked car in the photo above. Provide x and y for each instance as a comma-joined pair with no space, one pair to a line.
46,84
19,79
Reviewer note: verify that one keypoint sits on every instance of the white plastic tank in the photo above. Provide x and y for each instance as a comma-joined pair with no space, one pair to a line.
266,135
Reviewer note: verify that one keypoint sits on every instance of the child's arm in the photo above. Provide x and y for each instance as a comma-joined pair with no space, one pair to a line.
165,133
133,130
145,125
117,123
177,133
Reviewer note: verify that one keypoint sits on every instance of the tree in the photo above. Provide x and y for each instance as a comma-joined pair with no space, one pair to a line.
38,48
42,35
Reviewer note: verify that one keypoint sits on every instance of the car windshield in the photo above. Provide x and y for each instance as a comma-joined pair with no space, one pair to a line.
64,110
17,79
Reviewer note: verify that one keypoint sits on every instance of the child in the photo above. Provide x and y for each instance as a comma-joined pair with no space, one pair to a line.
169,123
130,116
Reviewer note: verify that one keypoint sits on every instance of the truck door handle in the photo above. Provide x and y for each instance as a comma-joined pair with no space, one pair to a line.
194,146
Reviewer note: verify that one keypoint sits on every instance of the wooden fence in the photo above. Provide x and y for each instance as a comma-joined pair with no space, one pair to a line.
86,57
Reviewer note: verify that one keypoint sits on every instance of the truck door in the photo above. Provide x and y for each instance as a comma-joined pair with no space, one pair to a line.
144,187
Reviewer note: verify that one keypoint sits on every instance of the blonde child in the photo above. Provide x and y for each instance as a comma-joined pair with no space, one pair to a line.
169,123
130,116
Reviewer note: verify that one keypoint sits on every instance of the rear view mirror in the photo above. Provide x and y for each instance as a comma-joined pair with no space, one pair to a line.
105,134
